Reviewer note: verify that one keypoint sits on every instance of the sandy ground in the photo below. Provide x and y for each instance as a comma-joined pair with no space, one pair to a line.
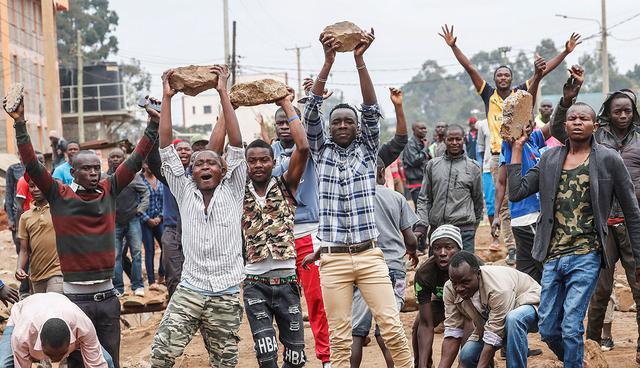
136,340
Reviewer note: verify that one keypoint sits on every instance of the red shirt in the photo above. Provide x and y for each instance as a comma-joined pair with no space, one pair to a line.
22,191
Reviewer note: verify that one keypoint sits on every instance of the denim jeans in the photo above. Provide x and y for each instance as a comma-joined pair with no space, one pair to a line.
567,285
518,323
6,353
133,233
149,236
468,240
362,315
263,303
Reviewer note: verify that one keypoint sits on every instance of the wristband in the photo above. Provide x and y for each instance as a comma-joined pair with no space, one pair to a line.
291,119
360,67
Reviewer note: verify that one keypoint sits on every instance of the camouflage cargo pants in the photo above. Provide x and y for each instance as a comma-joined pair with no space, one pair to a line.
220,316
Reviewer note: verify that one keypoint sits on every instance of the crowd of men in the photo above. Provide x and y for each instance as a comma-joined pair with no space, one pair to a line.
245,228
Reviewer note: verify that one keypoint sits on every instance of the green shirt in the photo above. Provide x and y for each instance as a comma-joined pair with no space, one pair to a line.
573,227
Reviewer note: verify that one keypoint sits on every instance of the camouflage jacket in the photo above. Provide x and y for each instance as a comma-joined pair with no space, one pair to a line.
269,229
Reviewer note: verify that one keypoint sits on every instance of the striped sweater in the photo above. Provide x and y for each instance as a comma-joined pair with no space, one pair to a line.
84,220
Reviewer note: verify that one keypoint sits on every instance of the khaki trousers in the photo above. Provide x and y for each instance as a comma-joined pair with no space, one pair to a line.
338,273
505,215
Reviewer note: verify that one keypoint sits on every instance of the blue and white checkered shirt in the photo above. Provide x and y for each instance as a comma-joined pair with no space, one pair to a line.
346,176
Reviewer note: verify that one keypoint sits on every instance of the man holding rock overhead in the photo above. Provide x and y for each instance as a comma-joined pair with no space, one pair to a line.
346,166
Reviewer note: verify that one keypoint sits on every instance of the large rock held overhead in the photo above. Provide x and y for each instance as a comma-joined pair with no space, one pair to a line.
193,79
516,114
258,92
347,33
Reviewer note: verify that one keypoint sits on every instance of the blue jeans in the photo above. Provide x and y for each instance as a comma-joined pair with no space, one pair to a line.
133,233
567,285
468,240
361,315
489,192
6,353
149,236
518,323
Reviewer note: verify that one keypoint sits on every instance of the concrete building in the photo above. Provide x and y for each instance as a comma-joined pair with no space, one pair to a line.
203,109
29,55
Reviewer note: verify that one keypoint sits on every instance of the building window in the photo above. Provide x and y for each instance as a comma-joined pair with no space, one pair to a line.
206,109
193,110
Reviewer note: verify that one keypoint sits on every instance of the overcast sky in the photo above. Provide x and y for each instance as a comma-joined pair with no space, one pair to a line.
164,34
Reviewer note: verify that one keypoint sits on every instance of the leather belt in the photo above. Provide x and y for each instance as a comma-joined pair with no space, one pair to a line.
95,297
351,249
272,280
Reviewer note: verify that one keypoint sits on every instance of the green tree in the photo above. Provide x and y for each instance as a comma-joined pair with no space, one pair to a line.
593,74
97,24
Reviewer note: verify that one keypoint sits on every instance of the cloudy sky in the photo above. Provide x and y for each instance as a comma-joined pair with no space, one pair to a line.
164,33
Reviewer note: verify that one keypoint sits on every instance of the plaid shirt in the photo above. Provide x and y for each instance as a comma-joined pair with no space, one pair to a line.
346,176
155,200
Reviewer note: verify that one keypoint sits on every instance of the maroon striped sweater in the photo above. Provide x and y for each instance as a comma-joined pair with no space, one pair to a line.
84,221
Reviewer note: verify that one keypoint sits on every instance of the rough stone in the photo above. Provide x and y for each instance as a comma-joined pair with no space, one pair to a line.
593,357
625,298
516,114
13,98
258,92
410,302
347,33
193,79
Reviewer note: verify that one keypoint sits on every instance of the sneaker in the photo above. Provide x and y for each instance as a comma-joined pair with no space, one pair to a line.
511,257
138,292
606,344
326,365
534,352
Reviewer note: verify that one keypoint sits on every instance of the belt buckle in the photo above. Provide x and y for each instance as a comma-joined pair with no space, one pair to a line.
353,248
98,297
274,281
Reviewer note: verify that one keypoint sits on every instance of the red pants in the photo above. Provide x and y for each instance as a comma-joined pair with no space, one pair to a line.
310,280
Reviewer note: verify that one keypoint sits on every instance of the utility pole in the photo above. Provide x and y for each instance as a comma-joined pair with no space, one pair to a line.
234,62
225,15
298,51
604,53
80,80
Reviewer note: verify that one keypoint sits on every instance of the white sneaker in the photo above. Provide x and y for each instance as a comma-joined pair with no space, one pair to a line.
326,365
138,292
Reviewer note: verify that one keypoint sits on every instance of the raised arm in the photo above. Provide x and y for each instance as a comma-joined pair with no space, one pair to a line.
264,132
522,187
216,140
300,155
450,39
366,85
569,46
539,68
153,158
38,173
231,120
312,114
166,129
126,172
390,151
570,92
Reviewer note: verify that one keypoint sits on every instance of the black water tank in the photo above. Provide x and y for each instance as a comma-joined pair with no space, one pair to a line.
103,89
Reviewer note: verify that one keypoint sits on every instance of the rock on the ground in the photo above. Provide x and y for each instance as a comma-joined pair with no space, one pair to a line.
516,114
410,302
544,363
489,255
193,79
347,33
258,92
593,357
625,298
